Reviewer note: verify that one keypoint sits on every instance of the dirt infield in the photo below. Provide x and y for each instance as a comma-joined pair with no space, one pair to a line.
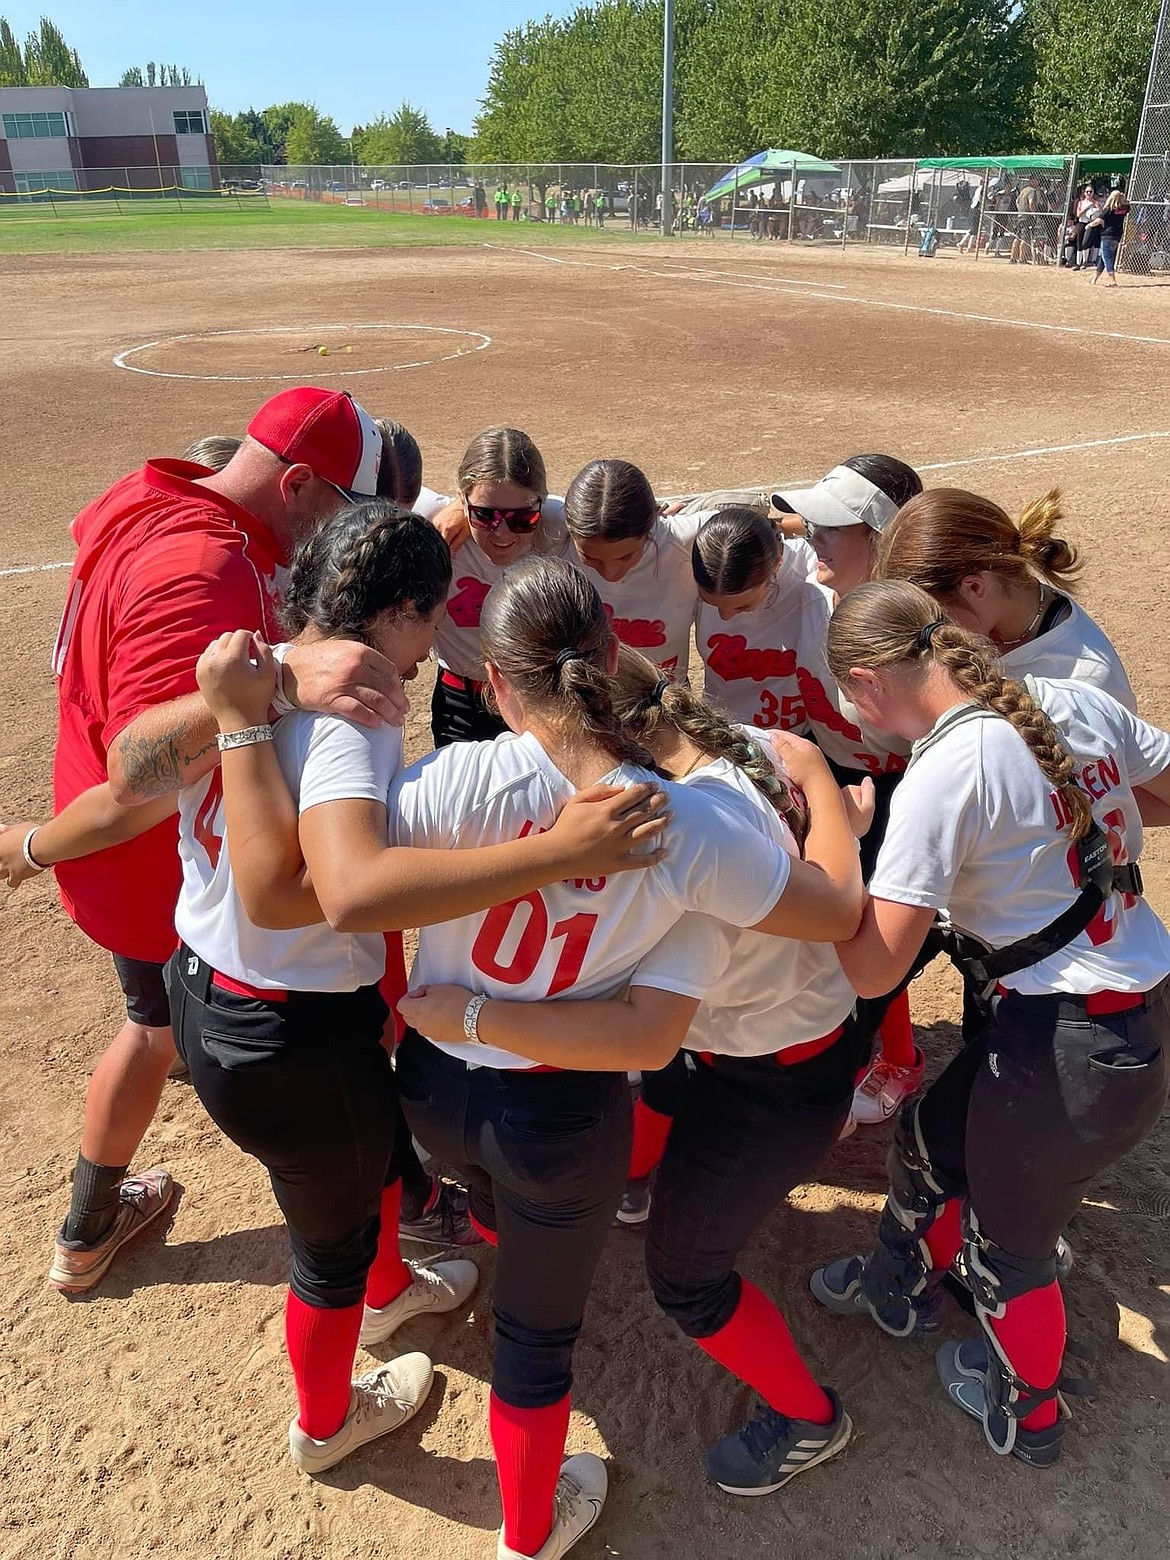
149,1420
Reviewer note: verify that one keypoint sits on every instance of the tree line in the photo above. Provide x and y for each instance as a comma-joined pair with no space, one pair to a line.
838,78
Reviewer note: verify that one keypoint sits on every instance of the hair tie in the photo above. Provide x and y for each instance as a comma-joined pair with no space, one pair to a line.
565,656
660,688
926,635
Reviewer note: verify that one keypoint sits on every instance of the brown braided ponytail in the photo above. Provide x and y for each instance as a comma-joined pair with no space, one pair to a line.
371,558
882,624
545,629
645,707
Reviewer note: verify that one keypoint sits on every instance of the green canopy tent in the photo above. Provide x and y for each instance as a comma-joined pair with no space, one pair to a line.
765,168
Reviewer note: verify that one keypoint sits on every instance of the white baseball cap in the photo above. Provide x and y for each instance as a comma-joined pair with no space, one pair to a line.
842,498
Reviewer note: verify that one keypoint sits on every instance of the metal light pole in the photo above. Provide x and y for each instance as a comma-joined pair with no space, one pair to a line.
667,112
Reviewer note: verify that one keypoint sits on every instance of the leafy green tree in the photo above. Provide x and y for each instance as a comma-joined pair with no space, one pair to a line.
133,77
1091,63
312,137
235,144
156,75
404,137
49,61
13,72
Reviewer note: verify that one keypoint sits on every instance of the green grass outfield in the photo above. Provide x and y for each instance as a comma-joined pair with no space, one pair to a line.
94,227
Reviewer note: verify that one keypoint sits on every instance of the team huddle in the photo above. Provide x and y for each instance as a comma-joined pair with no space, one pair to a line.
661,928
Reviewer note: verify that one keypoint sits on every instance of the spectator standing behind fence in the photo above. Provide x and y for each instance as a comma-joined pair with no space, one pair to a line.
971,218
1088,232
1024,243
501,203
480,198
1112,230
550,208
602,201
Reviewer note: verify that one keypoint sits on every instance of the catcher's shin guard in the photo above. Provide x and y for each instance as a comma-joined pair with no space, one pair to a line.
899,1284
996,1278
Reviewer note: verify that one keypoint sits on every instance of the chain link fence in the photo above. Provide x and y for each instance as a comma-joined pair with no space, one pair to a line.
1147,246
1005,210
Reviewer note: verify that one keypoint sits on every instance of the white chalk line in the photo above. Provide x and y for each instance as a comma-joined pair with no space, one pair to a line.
33,568
781,284
482,342
938,465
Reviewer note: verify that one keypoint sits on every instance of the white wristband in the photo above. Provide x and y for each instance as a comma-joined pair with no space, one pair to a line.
246,738
471,1020
26,852
281,703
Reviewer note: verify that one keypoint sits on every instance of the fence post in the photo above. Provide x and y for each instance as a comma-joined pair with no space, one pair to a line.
1069,198
847,186
792,201
734,197
911,192
982,208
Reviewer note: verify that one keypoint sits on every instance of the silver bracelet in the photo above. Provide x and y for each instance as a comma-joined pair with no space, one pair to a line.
246,738
471,1020
26,851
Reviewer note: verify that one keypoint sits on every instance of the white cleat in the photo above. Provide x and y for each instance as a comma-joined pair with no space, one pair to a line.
443,1286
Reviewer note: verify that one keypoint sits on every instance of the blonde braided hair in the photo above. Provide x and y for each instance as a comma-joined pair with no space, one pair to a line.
883,623
646,707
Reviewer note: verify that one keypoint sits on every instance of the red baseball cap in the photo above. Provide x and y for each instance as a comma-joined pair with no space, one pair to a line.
326,430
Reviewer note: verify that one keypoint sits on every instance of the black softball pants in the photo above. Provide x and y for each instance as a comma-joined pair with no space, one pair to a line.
745,1132
460,715
544,1157
304,1086
1043,1101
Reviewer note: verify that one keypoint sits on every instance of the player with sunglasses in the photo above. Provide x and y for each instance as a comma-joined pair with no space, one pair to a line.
503,490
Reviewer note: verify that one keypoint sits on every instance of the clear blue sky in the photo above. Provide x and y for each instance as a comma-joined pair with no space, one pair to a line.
354,61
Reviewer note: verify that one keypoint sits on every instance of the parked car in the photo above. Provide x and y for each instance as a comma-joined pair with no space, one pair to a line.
436,205
377,184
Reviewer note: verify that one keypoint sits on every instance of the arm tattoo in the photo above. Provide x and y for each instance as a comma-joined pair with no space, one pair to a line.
154,766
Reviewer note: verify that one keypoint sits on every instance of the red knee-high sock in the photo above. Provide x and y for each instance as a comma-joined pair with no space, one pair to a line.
651,1130
1032,1333
389,1275
756,1346
529,1444
945,1235
393,982
897,1033
321,1345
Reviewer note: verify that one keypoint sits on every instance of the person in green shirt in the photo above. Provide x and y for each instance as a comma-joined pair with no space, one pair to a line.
517,203
550,207
502,202
601,208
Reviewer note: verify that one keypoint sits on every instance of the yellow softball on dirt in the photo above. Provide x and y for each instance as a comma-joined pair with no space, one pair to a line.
322,351
349,349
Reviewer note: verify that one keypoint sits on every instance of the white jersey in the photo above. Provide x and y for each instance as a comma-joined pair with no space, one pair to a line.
750,661
653,606
457,644
323,759
581,939
1075,647
839,731
768,993
976,829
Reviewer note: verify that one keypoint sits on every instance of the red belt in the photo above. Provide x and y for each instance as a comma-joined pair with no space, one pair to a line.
791,1055
1098,1004
240,988
464,684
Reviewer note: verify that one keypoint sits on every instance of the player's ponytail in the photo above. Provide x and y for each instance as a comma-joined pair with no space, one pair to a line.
369,559
610,501
545,629
736,550
887,623
648,703
945,535
1054,559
